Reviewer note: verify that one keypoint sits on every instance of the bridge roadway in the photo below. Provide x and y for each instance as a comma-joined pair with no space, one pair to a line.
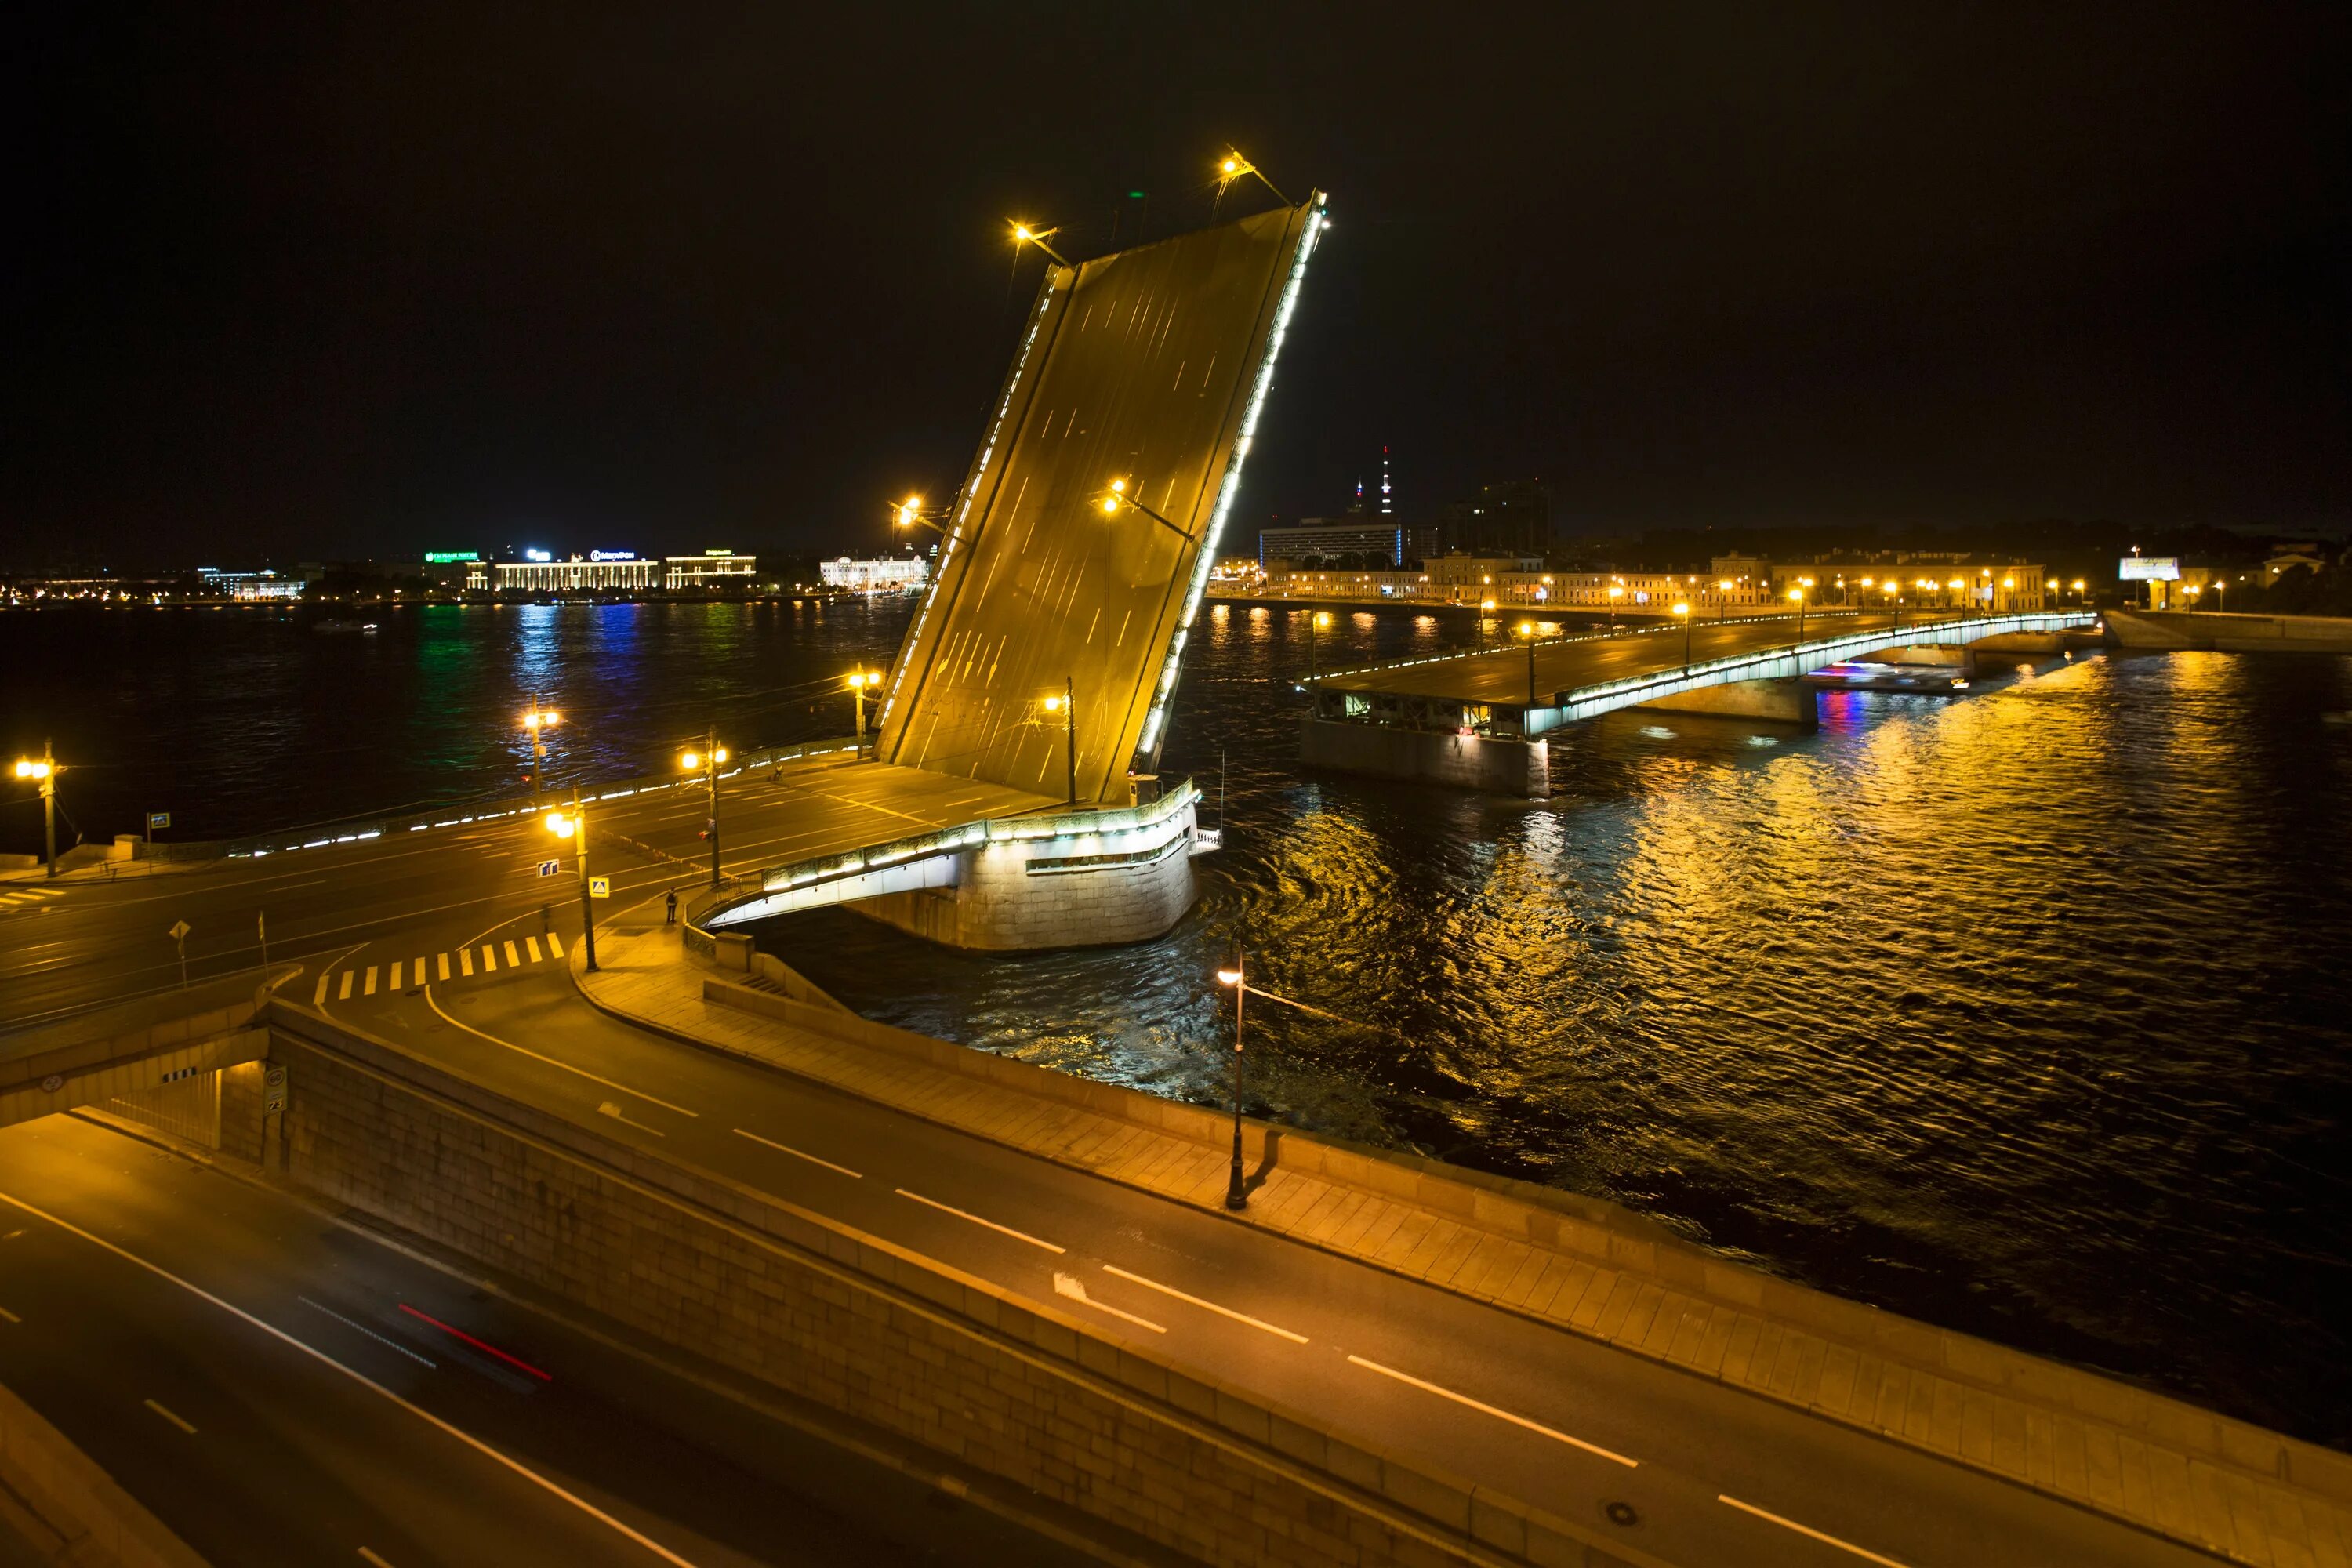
1523,1406
83,942
1565,666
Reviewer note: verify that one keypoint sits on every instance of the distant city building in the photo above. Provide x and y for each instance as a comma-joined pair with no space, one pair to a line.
1509,516
883,574
712,569
1319,538
1931,579
250,585
616,570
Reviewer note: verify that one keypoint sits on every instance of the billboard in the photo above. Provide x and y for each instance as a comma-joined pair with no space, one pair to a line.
2148,569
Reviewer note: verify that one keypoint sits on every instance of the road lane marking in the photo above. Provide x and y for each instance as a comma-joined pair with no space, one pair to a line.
380,1339
514,959
551,1061
443,959
613,1111
489,960
797,1153
1862,1552
345,993
554,946
372,1559
464,963
1485,1409
480,1447
1208,1306
1072,1286
530,945
318,999
175,1420
394,982
1006,1229
369,989
417,972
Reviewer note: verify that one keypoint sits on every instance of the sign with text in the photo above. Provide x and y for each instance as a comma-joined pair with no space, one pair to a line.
2148,569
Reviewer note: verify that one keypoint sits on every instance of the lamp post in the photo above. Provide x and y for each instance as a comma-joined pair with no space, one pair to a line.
46,770
575,827
1064,703
912,513
536,723
1722,597
708,761
859,680
1232,166
1024,234
1797,598
1685,612
1528,631
1615,593
1116,499
1315,623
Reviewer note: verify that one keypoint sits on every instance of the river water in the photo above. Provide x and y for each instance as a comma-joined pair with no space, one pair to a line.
2027,1013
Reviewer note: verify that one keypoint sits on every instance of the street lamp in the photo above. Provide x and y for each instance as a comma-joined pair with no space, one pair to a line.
1115,498
1685,612
1615,593
46,770
536,723
1797,598
708,761
1236,1193
1232,166
1064,703
859,681
1723,597
2080,587
1319,621
911,514
1024,234
574,826
1530,632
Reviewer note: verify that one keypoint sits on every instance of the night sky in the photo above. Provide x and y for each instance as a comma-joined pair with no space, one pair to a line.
345,280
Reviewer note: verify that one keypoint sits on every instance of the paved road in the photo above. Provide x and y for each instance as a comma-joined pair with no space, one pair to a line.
279,1390
1415,1368
1568,664
66,946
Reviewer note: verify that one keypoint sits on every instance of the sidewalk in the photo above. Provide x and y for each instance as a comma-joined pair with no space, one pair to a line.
2154,1462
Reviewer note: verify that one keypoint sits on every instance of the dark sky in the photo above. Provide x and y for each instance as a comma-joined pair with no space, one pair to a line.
348,279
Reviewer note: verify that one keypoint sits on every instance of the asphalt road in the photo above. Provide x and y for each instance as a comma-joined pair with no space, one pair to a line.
280,1389
1568,664
83,941
1545,1415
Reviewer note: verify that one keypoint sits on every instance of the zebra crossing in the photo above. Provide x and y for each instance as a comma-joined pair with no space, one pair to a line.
458,964
13,897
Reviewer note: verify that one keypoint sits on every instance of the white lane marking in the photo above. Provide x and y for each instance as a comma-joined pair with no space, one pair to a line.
345,993
530,945
554,946
1485,1409
349,1323
464,963
444,960
1208,1306
551,1061
514,959
372,1559
1864,1552
369,989
489,960
1072,1286
175,1420
608,1108
487,1452
1006,1229
12,1317
798,1153
394,982
319,998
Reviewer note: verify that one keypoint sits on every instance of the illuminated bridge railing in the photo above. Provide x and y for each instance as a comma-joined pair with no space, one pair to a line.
1072,828
1789,661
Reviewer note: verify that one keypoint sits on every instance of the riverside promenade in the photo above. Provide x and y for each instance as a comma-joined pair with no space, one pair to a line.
1936,1408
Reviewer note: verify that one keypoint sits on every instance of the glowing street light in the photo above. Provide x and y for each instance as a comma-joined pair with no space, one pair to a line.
910,513
1797,598
1064,703
536,723
1685,612
1024,235
574,825
1232,166
1723,597
1530,633
860,682
707,762
44,772
1320,621
1117,500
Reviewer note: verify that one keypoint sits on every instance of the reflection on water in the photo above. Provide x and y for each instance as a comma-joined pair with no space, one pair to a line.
2024,1013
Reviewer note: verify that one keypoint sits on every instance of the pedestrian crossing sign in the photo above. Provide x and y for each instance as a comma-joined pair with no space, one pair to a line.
600,887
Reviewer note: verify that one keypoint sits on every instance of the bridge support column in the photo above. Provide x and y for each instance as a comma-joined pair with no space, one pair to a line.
1782,700
1497,764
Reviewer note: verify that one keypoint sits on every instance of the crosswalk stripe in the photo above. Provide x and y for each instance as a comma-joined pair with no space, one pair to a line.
489,960
531,943
345,993
444,966
417,972
465,961
514,959
319,998
395,974
369,989
554,946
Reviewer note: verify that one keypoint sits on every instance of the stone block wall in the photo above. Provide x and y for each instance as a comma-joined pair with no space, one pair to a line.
851,1322
999,904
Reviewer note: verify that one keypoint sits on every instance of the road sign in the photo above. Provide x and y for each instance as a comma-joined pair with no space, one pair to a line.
156,819
273,1089
600,887
179,930
551,868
